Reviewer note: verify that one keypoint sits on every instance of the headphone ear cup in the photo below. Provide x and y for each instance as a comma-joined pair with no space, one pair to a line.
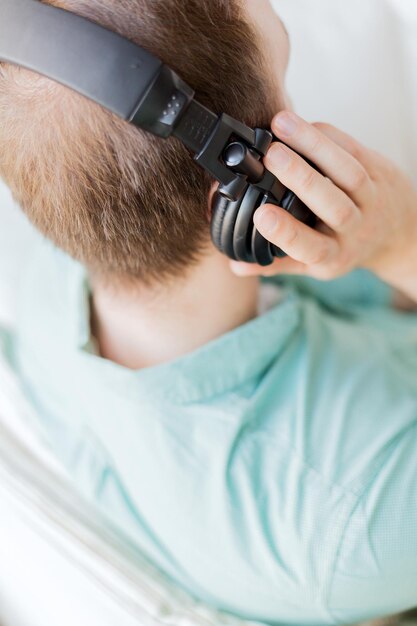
233,231
219,208
223,220
261,250
244,227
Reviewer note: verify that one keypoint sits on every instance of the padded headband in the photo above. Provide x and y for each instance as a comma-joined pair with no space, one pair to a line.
135,85
99,64
132,83
77,53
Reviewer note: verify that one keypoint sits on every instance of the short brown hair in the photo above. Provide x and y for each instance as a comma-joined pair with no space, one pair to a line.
120,201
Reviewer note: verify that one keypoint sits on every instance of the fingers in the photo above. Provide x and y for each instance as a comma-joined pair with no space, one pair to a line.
298,241
279,266
359,152
333,159
326,200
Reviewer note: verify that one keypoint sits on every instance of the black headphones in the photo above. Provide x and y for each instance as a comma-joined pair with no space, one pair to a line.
135,85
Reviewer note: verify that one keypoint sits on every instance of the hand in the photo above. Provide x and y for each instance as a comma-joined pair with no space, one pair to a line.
367,208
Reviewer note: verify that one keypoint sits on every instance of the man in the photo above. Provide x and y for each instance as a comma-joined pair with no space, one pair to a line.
266,462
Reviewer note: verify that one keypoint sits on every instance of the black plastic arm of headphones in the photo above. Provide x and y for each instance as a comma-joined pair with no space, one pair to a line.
232,228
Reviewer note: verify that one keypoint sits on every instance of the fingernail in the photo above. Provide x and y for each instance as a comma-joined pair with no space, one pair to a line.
286,124
266,221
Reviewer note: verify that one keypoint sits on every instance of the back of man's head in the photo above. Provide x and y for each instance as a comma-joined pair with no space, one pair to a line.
119,200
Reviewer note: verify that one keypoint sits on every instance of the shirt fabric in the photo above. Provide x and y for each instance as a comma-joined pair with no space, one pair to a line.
271,473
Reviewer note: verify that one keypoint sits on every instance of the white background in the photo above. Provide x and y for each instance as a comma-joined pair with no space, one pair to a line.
354,64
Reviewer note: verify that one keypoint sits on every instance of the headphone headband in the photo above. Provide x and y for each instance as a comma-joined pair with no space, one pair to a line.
124,78
94,61
108,69
77,53
135,85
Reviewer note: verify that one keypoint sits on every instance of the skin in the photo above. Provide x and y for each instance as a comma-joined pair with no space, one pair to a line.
367,209
368,218
143,327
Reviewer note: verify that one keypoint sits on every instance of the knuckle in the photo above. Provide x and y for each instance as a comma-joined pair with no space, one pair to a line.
316,142
307,179
355,150
344,217
291,235
323,127
359,179
319,125
320,256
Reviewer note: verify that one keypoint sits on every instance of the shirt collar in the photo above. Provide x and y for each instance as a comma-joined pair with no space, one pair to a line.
220,366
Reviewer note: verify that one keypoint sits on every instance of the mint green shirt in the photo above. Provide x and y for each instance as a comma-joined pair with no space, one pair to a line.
273,472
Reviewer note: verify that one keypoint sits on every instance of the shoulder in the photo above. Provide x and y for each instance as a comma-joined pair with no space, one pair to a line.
342,415
351,379
375,572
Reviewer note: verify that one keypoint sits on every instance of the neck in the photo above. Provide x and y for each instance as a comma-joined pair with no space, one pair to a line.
141,327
